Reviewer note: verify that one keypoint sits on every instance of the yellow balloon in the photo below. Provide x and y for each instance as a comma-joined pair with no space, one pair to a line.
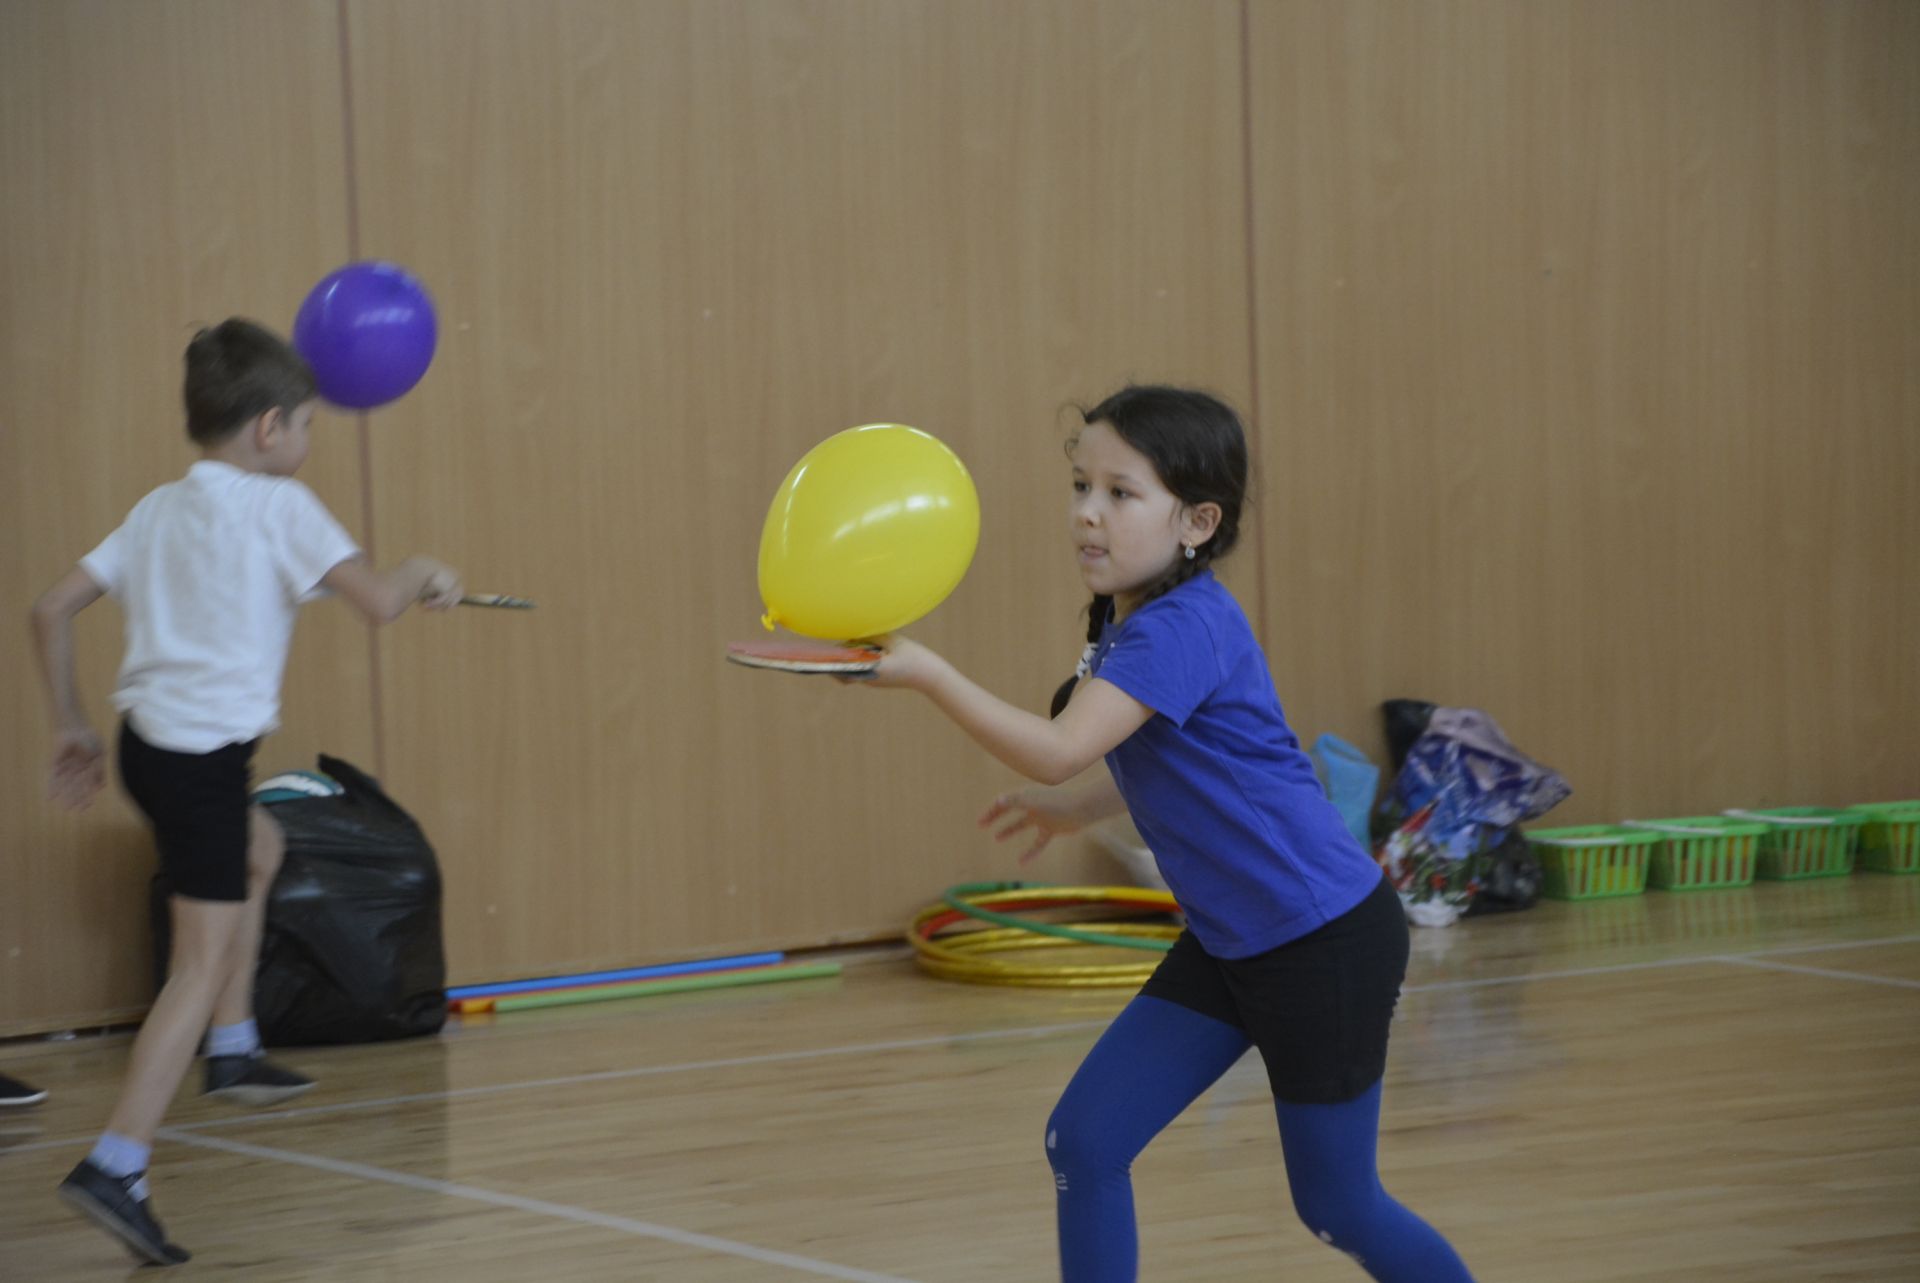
870,531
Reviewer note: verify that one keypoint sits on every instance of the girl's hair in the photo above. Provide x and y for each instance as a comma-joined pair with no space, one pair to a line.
1199,452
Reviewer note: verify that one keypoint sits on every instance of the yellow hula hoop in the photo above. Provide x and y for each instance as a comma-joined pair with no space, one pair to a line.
956,950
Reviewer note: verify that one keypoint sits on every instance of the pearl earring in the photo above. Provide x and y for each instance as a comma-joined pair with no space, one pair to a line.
1189,552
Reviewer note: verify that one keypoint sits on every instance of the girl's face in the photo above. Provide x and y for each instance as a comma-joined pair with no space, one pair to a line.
1128,528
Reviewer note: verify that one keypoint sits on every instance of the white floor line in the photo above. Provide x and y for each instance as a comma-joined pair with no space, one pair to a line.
1690,960
63,1143
1822,948
536,1206
647,1071
1859,976
1570,973
854,1049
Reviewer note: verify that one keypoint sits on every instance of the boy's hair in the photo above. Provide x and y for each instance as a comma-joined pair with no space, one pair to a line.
1199,451
237,370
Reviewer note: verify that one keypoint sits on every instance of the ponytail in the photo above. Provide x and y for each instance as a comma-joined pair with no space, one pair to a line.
1096,623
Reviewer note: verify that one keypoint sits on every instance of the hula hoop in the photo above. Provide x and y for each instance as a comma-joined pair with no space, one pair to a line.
962,955
992,892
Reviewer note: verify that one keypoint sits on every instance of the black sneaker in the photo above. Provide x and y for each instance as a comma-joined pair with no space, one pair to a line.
110,1201
252,1080
15,1094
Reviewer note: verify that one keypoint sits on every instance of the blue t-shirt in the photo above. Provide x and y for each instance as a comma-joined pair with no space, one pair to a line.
1218,784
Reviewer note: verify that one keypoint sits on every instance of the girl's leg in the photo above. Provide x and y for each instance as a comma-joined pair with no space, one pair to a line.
1330,1153
1151,1063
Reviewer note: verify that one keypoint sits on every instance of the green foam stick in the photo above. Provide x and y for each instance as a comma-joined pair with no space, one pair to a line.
647,988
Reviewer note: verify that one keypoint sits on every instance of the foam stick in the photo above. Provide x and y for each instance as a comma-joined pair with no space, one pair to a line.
472,1006
650,988
601,977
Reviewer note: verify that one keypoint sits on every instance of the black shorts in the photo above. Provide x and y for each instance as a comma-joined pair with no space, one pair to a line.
197,804
1317,1007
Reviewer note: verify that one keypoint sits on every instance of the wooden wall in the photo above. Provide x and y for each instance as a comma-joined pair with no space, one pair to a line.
1589,376
1577,336
162,166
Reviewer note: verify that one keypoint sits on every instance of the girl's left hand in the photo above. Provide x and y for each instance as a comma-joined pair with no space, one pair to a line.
1048,812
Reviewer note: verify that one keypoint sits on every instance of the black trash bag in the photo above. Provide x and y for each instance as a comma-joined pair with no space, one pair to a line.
352,950
1509,877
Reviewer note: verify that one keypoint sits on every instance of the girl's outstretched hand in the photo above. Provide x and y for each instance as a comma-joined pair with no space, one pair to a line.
906,664
1047,812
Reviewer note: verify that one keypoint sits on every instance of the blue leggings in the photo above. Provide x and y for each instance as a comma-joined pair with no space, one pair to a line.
1151,1063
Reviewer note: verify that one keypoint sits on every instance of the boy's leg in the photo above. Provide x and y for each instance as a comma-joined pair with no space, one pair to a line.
235,1068
203,935
110,1184
266,847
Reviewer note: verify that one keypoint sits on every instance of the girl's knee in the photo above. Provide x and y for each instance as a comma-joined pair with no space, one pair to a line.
1076,1144
1341,1219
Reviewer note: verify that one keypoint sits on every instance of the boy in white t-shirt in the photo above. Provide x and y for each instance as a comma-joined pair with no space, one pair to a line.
210,571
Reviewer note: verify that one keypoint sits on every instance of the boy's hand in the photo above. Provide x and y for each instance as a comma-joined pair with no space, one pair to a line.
442,590
1046,812
79,768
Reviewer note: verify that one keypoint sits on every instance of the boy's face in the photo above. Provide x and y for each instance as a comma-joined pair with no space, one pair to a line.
285,442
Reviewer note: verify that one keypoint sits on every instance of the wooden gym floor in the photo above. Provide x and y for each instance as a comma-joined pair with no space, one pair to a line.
1710,1087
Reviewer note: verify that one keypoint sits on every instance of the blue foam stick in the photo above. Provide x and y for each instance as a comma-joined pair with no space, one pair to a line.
600,977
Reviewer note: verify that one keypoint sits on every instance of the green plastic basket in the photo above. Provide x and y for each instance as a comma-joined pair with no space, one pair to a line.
1804,841
1592,861
1702,852
1890,838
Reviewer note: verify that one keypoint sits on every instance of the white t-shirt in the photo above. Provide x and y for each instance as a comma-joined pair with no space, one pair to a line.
211,571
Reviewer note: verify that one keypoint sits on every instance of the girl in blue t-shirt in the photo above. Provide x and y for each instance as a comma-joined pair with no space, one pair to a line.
1295,944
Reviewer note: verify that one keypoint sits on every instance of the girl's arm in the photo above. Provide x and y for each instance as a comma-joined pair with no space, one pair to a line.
1051,752
1049,812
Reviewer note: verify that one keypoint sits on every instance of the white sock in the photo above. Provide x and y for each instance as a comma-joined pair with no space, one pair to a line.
118,1155
242,1039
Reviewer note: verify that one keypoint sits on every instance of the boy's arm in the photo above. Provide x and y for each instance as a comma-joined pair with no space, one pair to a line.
79,759
383,596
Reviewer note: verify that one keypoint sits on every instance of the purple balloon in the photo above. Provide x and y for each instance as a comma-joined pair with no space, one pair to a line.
368,331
